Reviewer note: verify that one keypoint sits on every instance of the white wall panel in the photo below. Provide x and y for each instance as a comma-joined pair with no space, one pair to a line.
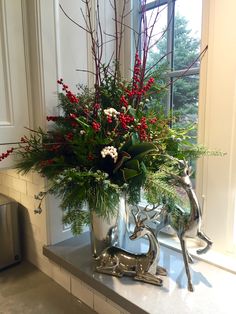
14,113
5,104
217,121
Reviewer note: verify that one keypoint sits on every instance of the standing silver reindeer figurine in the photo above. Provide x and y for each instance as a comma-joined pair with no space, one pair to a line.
118,262
184,223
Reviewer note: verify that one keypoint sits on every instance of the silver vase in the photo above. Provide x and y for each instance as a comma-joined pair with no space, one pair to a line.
123,223
109,232
100,232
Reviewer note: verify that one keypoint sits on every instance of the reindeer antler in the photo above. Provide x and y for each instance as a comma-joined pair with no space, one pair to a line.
145,211
182,163
137,217
156,214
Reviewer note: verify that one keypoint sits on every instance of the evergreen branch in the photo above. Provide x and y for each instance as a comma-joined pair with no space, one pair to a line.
77,219
158,189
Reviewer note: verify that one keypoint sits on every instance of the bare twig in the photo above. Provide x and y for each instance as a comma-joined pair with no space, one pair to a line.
156,63
116,38
99,46
12,143
73,21
199,57
111,4
86,71
129,27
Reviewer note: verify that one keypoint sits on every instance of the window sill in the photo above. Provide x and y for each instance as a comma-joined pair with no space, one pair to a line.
214,287
226,262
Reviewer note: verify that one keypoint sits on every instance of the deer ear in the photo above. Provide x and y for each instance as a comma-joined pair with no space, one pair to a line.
190,171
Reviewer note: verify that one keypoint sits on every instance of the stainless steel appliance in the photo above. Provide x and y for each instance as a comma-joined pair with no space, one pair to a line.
10,252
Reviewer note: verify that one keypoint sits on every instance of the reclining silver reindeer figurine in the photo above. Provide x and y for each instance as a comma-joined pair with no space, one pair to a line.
143,267
183,222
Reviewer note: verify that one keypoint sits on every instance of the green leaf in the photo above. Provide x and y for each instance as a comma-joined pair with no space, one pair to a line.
140,156
135,138
84,125
133,164
126,146
129,173
143,167
137,149
124,156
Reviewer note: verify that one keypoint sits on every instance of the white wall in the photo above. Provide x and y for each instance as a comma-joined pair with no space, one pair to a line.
217,120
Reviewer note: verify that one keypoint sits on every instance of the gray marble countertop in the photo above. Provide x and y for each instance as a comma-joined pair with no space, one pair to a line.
214,287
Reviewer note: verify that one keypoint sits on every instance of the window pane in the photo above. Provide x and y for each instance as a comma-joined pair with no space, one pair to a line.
185,100
187,33
185,108
157,25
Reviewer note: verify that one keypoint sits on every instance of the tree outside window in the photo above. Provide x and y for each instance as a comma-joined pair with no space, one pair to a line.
177,49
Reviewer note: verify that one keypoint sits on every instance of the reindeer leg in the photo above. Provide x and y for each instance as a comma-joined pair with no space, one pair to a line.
108,272
161,271
201,235
110,269
184,252
148,278
190,259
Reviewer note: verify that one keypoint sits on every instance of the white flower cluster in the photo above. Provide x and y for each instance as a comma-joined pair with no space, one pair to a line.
109,151
112,112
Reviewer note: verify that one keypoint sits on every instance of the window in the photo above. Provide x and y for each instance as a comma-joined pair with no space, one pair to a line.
213,108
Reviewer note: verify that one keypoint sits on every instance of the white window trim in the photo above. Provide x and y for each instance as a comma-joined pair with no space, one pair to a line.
216,181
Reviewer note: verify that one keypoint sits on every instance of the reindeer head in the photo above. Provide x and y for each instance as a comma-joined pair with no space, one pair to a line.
140,228
183,179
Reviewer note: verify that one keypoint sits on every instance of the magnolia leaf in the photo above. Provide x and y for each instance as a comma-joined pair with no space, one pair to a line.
123,156
137,149
142,155
129,173
135,138
133,164
126,146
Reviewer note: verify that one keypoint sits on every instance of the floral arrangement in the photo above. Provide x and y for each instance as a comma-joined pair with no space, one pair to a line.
107,139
